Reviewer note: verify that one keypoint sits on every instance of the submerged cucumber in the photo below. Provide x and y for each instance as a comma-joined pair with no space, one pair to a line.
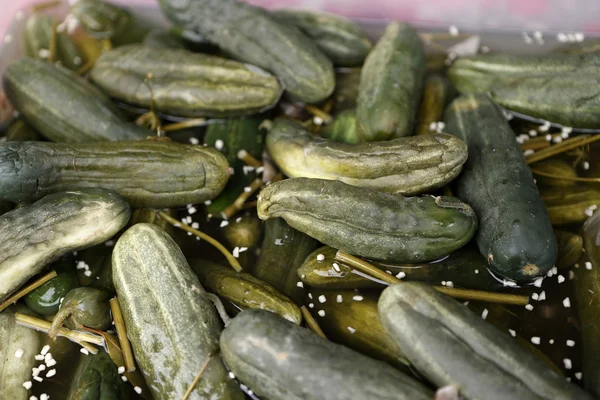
96,378
279,360
172,325
370,223
515,234
450,345
252,35
146,173
33,236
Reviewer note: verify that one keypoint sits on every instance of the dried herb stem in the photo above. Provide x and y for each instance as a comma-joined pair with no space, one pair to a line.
190,389
248,159
232,260
311,322
53,39
115,308
189,123
238,204
27,289
317,112
565,178
562,147
465,294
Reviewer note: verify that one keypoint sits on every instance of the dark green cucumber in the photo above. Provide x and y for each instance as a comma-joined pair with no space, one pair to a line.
250,34
183,83
172,325
554,87
244,231
349,318
83,306
464,268
76,111
38,37
570,247
343,128
408,165
163,39
557,168
437,92
96,378
146,173
571,205
450,345
347,83
94,266
586,286
33,236
282,253
232,136
343,41
391,84
20,131
45,300
370,223
14,371
244,290
515,234
279,360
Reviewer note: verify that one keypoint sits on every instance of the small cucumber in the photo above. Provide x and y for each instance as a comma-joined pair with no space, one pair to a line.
515,233
183,83
436,95
244,290
283,251
570,247
14,371
45,300
343,41
148,174
279,360
347,83
343,128
450,345
370,223
571,205
96,378
409,165
89,116
173,327
245,231
391,84
555,167
350,319
33,236
83,306
250,34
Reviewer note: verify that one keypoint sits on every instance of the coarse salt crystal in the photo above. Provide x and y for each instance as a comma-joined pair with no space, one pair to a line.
195,225
578,375
320,257
528,152
453,30
38,379
219,144
121,370
51,373
533,133
570,343
207,203
27,385
551,341
311,305
535,340
123,378
87,273
39,357
534,296
84,351
542,295
538,282
223,224
19,353
300,284
561,37
484,314
236,252
278,242
561,279
586,165
231,375
401,275
336,267
476,271
194,140
192,210
588,265
137,389
339,298
322,299
42,367
529,307
351,329
321,313
357,298
567,302
512,333
568,364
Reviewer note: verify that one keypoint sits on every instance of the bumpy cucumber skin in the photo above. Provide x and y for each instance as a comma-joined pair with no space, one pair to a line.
282,361
184,83
370,223
33,236
96,378
172,326
450,345
148,174
14,371
252,35
409,165
515,233
63,106
340,39
390,85
569,205
244,290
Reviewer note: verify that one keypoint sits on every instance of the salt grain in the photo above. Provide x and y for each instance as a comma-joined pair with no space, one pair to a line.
535,340
84,351
219,144
121,370
321,313
578,375
538,282
453,30
51,373
336,267
568,364
570,343
351,329
512,333
27,385
401,275
567,302
484,314
320,257
561,279
19,353
529,307
223,224
137,389
194,140
588,265
339,298
322,299
357,298
123,378
300,284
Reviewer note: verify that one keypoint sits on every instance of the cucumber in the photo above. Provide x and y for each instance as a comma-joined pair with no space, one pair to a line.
450,345
464,268
45,300
172,336
279,360
390,85
37,36
163,39
343,128
83,306
283,251
554,87
245,231
76,112
183,83
515,234
410,165
369,223
347,83
244,290
97,259
14,371
148,174
556,167
343,41
150,216
252,35
20,131
96,378
586,286
351,320
590,45
33,236
437,92
570,247
570,205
